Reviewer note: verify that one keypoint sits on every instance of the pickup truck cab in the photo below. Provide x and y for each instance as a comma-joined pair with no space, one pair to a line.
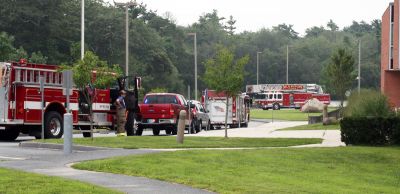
160,111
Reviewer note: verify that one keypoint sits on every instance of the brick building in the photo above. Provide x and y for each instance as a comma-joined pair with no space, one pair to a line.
390,57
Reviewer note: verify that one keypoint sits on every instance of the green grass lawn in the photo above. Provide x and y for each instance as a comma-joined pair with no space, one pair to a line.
316,170
285,114
318,126
189,142
17,182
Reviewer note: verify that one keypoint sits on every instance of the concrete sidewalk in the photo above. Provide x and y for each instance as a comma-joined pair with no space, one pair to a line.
331,138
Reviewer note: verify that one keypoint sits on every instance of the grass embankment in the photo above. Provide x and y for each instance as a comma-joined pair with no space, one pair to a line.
285,114
13,181
316,170
318,126
189,142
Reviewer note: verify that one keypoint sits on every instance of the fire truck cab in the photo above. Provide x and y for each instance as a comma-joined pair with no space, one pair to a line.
21,103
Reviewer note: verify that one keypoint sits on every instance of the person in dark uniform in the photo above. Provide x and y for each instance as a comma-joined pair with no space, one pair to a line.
121,111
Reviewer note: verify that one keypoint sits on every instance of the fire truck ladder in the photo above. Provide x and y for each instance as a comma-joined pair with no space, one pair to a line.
30,76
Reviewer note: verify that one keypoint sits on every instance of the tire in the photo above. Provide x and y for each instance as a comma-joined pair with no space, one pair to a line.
193,128
276,106
53,125
139,131
9,134
199,126
245,125
156,132
175,130
208,127
168,131
86,134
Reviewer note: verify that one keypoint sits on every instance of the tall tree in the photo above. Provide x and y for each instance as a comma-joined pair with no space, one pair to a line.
332,26
225,73
230,26
340,72
87,82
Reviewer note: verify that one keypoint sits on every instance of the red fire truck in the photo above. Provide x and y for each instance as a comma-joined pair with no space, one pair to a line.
277,96
20,101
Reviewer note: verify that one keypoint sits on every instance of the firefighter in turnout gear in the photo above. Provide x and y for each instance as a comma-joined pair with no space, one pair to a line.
121,111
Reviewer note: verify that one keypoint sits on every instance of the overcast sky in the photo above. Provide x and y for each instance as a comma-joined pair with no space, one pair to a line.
252,15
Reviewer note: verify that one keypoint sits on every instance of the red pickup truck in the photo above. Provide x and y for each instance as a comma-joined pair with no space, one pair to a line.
160,111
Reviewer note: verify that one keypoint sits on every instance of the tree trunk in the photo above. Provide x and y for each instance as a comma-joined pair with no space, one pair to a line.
226,117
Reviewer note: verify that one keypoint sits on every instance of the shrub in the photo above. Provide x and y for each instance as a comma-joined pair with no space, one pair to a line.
370,130
369,103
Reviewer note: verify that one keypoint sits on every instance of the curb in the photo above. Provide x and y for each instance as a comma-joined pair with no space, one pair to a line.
54,146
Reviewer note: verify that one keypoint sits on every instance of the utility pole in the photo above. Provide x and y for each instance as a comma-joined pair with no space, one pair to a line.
287,64
195,63
359,66
258,63
126,5
83,29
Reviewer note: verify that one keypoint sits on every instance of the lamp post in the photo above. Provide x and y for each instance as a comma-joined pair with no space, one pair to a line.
359,66
287,64
126,4
82,29
258,63
195,63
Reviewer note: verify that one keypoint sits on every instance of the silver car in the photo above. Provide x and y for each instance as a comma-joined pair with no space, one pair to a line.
201,117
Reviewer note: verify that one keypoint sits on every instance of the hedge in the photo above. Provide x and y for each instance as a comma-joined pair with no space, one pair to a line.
370,130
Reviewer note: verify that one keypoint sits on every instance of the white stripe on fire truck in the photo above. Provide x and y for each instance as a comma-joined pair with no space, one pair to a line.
34,105
101,106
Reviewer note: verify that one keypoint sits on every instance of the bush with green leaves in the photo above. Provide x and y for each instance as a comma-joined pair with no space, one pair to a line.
368,103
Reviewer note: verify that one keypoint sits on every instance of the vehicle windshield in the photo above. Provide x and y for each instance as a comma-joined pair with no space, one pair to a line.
160,99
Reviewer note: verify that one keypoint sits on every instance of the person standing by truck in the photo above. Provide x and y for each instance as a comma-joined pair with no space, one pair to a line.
121,111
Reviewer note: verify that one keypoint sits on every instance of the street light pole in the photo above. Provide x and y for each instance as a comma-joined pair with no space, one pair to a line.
83,29
287,64
126,5
126,41
195,63
258,64
359,66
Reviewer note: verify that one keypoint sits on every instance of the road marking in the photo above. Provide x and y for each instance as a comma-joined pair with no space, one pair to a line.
11,158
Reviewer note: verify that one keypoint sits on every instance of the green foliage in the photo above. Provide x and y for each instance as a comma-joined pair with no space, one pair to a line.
159,90
369,103
38,58
6,46
162,53
340,72
224,73
18,54
370,130
83,72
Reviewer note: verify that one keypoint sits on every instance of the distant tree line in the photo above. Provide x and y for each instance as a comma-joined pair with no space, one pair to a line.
48,31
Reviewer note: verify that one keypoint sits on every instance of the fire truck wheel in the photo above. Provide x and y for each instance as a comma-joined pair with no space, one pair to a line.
53,125
276,107
9,134
156,132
